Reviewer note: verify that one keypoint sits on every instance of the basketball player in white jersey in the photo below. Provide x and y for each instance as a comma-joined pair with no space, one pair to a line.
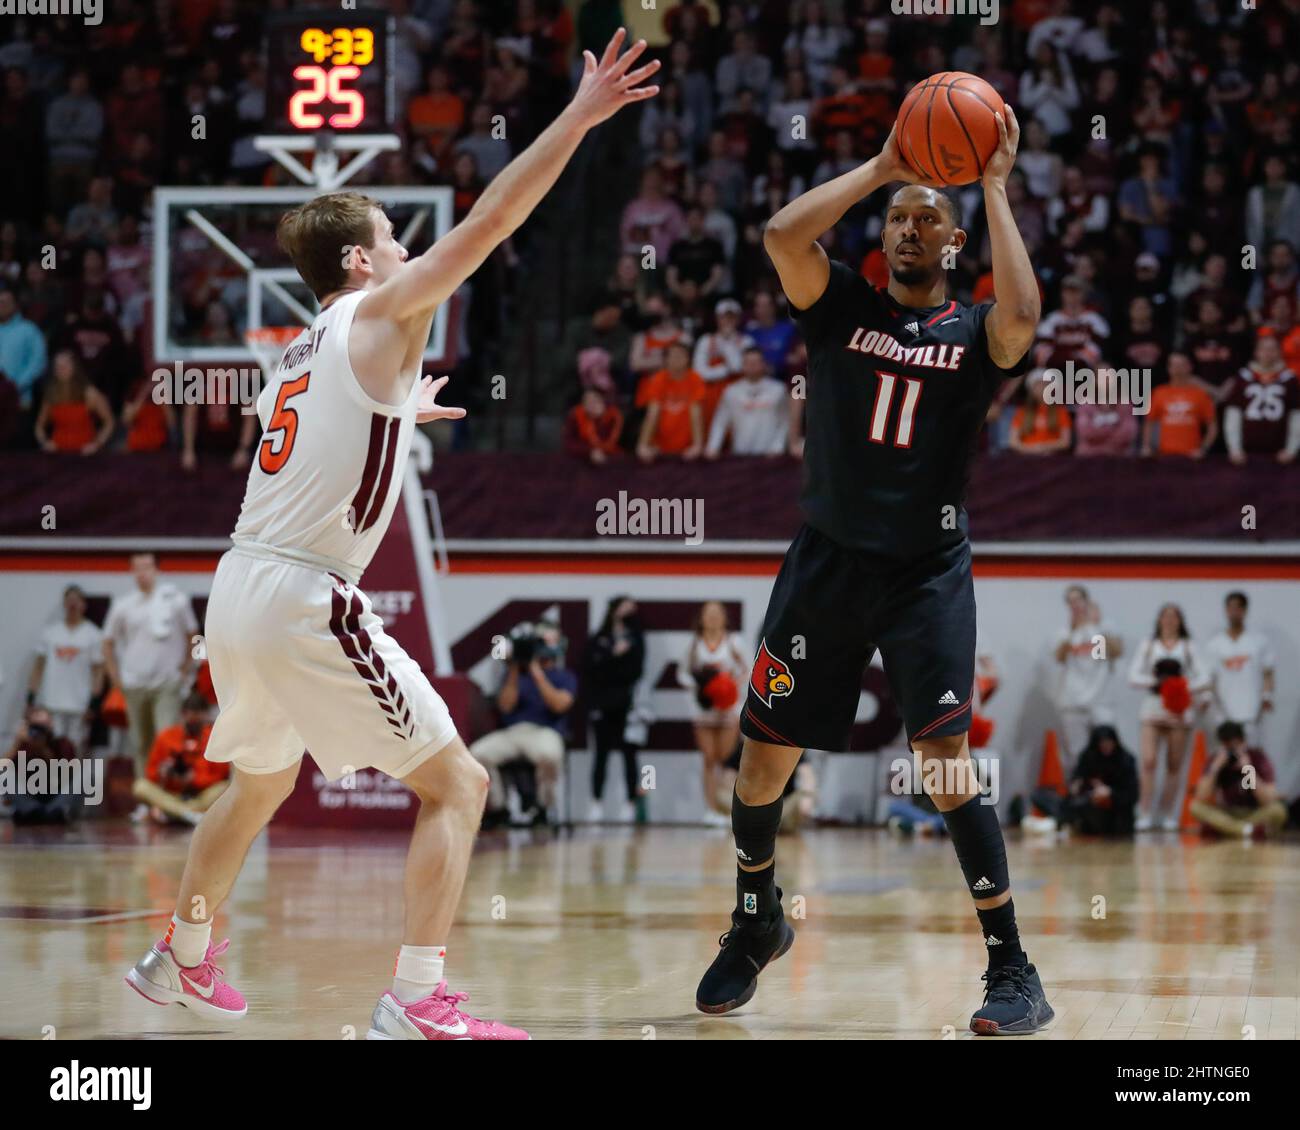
298,659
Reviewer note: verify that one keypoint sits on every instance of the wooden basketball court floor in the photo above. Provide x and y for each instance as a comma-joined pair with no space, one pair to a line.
603,933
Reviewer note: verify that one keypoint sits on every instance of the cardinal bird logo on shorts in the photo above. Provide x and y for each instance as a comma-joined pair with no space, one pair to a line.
771,677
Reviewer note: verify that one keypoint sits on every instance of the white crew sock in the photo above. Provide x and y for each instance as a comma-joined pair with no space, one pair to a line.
417,972
189,941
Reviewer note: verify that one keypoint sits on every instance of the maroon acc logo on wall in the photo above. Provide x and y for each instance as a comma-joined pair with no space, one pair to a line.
771,677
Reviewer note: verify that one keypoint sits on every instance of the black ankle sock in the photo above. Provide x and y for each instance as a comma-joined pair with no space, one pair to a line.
1001,938
755,830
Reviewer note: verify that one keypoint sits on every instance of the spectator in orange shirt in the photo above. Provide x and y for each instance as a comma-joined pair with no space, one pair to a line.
148,424
674,402
437,115
1184,412
1038,428
70,408
179,783
592,429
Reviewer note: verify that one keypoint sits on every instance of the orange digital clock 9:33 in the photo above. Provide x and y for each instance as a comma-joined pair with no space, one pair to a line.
330,73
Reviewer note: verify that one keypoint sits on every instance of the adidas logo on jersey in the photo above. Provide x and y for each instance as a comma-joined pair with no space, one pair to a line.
992,941
913,328
948,699
982,884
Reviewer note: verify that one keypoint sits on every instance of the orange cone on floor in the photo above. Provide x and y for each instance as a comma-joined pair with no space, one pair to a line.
1189,823
1051,775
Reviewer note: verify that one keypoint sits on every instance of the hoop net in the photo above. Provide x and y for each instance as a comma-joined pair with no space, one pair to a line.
268,344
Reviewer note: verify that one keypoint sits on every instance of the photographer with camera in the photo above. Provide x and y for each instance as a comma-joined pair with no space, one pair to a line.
1169,667
534,700
179,783
37,740
1237,796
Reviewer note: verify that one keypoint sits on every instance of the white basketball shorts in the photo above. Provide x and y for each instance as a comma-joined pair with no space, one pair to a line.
300,663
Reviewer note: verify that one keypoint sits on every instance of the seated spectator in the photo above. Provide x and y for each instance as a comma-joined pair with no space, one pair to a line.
148,424
1076,201
696,257
1216,351
1148,200
1103,791
96,338
1236,795
650,346
1038,428
179,783
1280,281
1261,414
36,741
69,409
1140,344
1273,208
719,355
674,402
652,218
592,429
673,163
1183,412
491,154
22,349
1066,333
754,412
1108,426
534,699
773,333
435,117
95,217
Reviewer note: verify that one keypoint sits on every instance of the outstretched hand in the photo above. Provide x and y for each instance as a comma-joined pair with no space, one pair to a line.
429,409
608,85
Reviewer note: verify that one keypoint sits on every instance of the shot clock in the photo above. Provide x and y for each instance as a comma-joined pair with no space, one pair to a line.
329,71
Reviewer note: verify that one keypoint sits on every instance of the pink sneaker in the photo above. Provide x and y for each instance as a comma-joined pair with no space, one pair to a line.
436,1017
158,977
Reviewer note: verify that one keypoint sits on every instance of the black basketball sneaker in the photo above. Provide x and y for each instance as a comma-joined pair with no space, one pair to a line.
747,948
1014,1003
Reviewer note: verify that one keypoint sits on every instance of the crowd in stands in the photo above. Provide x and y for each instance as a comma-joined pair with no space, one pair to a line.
1156,188
103,114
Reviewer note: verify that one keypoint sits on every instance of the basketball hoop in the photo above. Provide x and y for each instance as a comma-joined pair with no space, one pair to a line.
268,344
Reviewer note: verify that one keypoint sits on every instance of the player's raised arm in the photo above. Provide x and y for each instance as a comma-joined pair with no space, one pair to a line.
1013,320
606,87
791,235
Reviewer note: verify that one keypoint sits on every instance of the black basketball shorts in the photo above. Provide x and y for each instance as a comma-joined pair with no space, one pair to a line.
831,608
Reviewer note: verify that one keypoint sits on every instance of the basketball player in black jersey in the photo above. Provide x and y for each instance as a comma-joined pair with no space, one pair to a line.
899,382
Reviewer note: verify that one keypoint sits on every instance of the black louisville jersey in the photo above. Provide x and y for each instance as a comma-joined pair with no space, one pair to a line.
896,396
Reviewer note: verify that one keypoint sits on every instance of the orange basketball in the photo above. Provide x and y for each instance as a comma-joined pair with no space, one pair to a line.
946,127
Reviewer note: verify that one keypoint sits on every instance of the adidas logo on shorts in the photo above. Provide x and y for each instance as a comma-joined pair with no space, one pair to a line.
982,884
949,699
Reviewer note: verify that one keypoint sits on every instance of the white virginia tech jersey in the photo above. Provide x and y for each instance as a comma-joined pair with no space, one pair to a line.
329,466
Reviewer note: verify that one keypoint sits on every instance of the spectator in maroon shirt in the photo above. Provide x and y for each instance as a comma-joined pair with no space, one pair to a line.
1261,414
592,429
1237,796
1216,352
134,107
1106,427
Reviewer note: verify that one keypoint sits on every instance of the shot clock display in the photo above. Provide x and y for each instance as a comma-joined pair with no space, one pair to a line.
329,71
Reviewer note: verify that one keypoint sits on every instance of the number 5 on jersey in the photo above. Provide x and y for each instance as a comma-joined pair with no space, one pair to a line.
274,450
